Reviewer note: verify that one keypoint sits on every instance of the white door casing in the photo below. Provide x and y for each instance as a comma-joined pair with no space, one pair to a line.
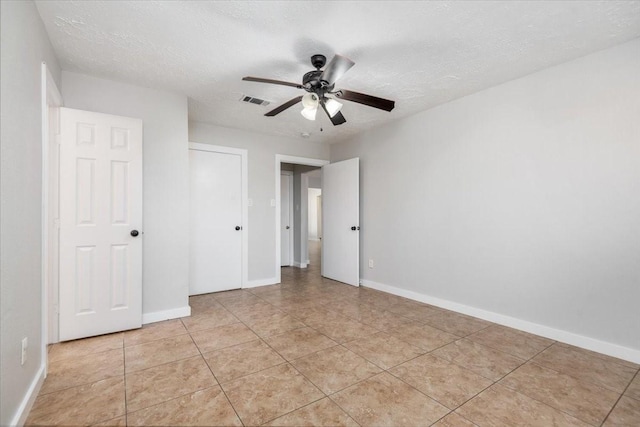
319,216
279,160
340,221
216,220
286,218
53,221
100,205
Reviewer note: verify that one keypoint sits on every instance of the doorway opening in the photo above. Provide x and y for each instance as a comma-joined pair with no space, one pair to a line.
314,203
293,247
295,215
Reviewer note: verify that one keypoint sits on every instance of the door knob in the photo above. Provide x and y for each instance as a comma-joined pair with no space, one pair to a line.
354,228
287,227
134,233
238,228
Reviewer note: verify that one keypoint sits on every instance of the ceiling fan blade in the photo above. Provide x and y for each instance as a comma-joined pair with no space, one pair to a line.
284,106
336,68
275,82
361,98
337,118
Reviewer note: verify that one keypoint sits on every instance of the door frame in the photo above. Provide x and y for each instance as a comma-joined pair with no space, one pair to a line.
283,158
244,197
50,99
291,225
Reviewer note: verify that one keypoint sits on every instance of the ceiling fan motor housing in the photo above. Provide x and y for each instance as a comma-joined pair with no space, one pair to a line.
313,82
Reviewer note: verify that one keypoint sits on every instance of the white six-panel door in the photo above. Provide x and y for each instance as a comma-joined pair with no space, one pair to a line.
100,207
216,226
340,221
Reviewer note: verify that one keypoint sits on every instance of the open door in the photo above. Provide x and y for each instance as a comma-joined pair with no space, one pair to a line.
100,224
340,221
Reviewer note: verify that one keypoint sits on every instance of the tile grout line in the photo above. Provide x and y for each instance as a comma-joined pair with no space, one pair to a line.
530,360
584,381
493,382
503,351
355,339
620,397
287,361
164,364
342,345
214,375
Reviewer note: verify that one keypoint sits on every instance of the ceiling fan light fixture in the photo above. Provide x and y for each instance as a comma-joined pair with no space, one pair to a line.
309,113
318,83
310,100
332,106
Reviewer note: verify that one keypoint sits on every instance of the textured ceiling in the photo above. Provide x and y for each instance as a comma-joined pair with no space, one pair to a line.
419,54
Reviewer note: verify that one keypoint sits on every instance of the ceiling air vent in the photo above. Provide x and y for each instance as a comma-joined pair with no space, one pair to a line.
252,100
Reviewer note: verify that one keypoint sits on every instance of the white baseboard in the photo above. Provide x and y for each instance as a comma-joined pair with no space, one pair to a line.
29,398
158,316
592,344
300,264
260,282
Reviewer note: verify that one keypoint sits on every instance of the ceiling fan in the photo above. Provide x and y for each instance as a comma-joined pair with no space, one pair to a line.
320,83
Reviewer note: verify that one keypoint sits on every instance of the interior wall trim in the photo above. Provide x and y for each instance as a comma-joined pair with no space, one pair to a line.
158,316
560,335
261,282
29,398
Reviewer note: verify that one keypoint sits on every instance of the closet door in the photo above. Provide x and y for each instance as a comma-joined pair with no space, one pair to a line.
215,221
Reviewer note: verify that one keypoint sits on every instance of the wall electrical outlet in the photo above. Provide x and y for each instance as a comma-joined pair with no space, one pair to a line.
25,343
370,263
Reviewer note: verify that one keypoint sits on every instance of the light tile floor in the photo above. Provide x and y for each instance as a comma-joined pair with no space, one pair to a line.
312,351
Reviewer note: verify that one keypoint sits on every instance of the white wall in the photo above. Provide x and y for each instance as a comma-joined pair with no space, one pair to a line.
262,150
166,182
522,200
313,212
25,46
315,182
